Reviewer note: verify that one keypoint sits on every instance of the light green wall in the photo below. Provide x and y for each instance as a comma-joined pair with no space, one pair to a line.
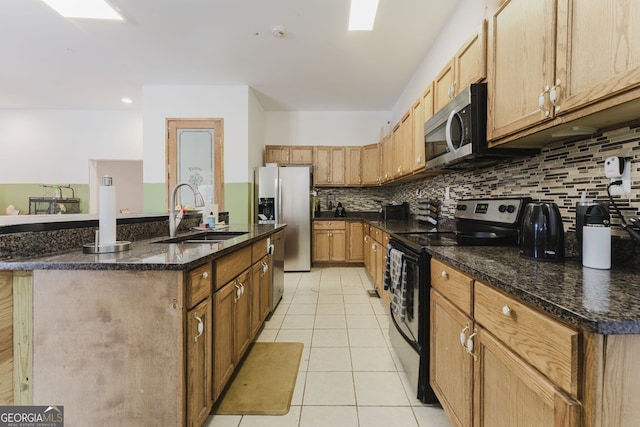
18,195
237,200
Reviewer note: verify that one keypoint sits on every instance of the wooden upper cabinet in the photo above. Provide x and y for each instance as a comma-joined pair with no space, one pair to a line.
371,164
329,166
443,89
521,58
598,51
402,147
289,154
301,155
353,170
387,159
469,65
422,111
276,154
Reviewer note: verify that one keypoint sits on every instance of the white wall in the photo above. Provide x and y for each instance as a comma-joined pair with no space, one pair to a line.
54,146
325,127
464,21
256,134
227,102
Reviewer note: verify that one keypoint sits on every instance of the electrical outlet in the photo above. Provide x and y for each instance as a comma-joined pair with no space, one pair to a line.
625,188
447,195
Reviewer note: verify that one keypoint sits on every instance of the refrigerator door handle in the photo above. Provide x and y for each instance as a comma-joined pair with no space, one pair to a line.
279,219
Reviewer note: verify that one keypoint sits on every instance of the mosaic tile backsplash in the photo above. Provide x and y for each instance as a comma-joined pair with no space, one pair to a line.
560,173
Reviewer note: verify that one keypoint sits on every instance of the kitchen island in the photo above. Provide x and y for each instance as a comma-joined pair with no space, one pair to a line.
128,338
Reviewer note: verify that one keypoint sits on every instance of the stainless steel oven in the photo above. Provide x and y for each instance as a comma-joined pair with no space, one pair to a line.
479,222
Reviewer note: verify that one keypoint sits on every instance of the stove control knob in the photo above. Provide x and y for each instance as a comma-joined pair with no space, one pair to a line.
511,208
502,208
461,207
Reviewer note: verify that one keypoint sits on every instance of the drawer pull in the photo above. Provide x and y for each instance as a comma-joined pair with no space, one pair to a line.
444,274
205,275
506,310
200,328
469,345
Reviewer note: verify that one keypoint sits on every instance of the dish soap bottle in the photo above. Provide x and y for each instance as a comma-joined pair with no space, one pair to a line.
211,220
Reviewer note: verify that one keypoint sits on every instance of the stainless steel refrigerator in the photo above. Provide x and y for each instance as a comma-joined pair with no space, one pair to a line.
284,197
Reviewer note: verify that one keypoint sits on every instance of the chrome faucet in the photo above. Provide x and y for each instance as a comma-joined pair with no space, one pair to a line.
173,223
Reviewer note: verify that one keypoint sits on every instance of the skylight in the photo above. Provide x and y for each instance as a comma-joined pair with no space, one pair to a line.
90,9
362,15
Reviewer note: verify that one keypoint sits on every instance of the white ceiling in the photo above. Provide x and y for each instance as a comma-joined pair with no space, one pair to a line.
51,62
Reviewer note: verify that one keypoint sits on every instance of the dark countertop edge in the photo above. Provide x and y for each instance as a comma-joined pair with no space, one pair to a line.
89,220
563,314
43,264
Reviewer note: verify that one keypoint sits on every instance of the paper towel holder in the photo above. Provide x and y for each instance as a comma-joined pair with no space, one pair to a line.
97,248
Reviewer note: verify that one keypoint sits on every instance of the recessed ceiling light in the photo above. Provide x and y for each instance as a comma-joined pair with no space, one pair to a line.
127,100
91,9
362,15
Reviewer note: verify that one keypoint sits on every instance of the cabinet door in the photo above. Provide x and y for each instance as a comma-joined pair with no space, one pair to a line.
422,111
443,89
450,365
321,245
301,155
354,165
337,166
403,146
509,392
598,45
371,164
256,308
366,250
516,78
387,159
355,246
223,337
242,315
265,287
470,62
276,154
322,165
199,357
338,245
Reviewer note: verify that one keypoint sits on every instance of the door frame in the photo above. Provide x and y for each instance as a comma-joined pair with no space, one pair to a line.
171,153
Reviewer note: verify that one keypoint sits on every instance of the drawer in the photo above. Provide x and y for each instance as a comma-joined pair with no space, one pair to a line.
453,284
385,239
259,249
329,225
198,284
229,266
543,342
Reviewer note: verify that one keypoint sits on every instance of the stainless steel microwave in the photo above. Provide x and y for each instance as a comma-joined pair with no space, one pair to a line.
456,136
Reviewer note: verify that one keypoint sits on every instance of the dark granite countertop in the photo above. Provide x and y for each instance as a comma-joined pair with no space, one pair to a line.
600,301
147,254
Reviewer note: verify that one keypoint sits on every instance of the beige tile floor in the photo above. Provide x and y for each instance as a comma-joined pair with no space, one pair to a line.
349,376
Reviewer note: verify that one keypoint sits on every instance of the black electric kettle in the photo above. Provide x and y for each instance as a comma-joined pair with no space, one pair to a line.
542,233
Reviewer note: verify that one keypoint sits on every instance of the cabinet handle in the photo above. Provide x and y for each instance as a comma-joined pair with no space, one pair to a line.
200,327
542,101
205,275
506,310
444,274
554,95
470,344
265,268
399,169
463,336
419,158
366,238
237,294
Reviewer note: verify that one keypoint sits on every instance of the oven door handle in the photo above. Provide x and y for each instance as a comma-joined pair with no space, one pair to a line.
409,341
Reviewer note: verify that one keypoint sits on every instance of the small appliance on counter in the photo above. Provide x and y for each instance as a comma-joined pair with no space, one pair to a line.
542,233
340,210
596,238
427,210
397,212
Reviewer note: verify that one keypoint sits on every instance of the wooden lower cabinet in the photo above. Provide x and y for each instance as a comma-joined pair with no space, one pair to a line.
490,364
510,392
242,315
224,361
329,241
199,360
260,293
355,251
451,368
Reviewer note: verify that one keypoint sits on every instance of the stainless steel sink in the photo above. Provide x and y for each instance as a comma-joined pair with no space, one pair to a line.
205,237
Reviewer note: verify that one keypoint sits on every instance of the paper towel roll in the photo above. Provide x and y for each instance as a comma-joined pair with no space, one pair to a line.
107,214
